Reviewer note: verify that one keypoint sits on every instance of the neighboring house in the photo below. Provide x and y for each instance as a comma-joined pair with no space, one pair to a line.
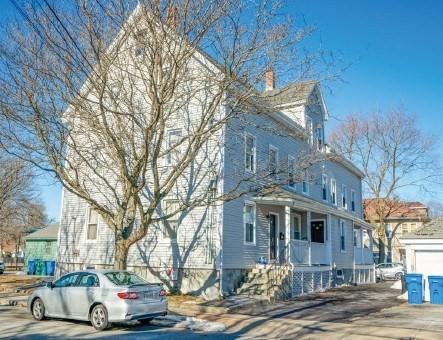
424,251
401,218
310,229
42,244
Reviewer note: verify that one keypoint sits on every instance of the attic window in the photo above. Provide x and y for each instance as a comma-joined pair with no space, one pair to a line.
139,49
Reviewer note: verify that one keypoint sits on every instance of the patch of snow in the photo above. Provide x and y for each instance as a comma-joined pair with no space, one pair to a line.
396,285
195,324
403,296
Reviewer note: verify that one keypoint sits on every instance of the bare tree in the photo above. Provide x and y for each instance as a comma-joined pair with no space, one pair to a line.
97,89
394,155
19,208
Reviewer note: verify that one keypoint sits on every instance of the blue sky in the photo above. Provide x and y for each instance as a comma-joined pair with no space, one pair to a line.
395,48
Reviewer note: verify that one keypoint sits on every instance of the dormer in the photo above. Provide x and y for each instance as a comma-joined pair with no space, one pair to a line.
302,102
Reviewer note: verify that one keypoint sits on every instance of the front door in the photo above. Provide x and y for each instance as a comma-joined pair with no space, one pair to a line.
272,237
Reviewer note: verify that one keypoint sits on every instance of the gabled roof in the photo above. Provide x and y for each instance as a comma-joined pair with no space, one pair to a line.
396,209
431,230
48,233
298,93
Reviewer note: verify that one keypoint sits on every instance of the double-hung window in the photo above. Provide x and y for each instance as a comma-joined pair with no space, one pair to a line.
344,198
319,137
291,172
92,225
310,130
353,200
324,187
272,161
174,140
342,235
250,152
249,223
305,182
172,220
296,227
333,191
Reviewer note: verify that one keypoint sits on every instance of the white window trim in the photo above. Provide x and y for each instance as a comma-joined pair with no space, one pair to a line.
179,149
353,194
86,227
292,158
162,234
274,148
344,194
298,217
325,178
325,239
333,190
252,204
247,134
343,233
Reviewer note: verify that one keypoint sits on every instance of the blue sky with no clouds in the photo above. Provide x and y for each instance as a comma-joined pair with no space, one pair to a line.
396,51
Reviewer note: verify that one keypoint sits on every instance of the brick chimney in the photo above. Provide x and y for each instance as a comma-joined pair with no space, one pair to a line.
269,80
172,19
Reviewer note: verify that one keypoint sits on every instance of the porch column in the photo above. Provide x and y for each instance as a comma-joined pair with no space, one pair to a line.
308,222
329,224
362,252
288,233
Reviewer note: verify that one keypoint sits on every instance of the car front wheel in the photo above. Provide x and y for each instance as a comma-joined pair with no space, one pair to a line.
38,309
99,317
145,321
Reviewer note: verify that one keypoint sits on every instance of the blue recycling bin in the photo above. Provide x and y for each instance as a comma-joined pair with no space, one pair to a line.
415,288
31,267
50,268
436,289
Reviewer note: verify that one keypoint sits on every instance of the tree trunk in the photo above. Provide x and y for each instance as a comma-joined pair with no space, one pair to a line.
121,254
381,249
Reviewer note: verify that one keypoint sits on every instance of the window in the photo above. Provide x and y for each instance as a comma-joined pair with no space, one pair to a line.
66,281
249,222
48,247
353,200
355,238
319,137
139,49
291,172
305,183
404,228
174,139
123,278
366,239
89,280
296,227
172,222
344,202
272,161
250,150
333,191
309,129
413,227
324,187
92,224
342,235
318,231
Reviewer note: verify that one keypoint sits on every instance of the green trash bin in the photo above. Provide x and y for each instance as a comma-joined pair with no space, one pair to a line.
41,268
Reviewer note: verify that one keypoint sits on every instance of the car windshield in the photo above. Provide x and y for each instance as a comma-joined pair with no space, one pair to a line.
124,278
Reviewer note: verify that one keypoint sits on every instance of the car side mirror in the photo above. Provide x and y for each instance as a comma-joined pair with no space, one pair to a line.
50,285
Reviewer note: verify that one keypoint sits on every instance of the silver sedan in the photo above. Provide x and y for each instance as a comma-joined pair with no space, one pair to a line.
100,297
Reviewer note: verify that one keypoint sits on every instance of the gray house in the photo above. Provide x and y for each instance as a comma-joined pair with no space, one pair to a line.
304,235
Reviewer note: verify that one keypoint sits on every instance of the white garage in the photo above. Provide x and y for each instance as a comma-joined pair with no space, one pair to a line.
424,251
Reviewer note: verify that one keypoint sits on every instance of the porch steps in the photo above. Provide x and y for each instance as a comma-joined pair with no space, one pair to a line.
267,283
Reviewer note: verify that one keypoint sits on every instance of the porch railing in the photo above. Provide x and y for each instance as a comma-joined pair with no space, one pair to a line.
299,252
319,253
363,256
